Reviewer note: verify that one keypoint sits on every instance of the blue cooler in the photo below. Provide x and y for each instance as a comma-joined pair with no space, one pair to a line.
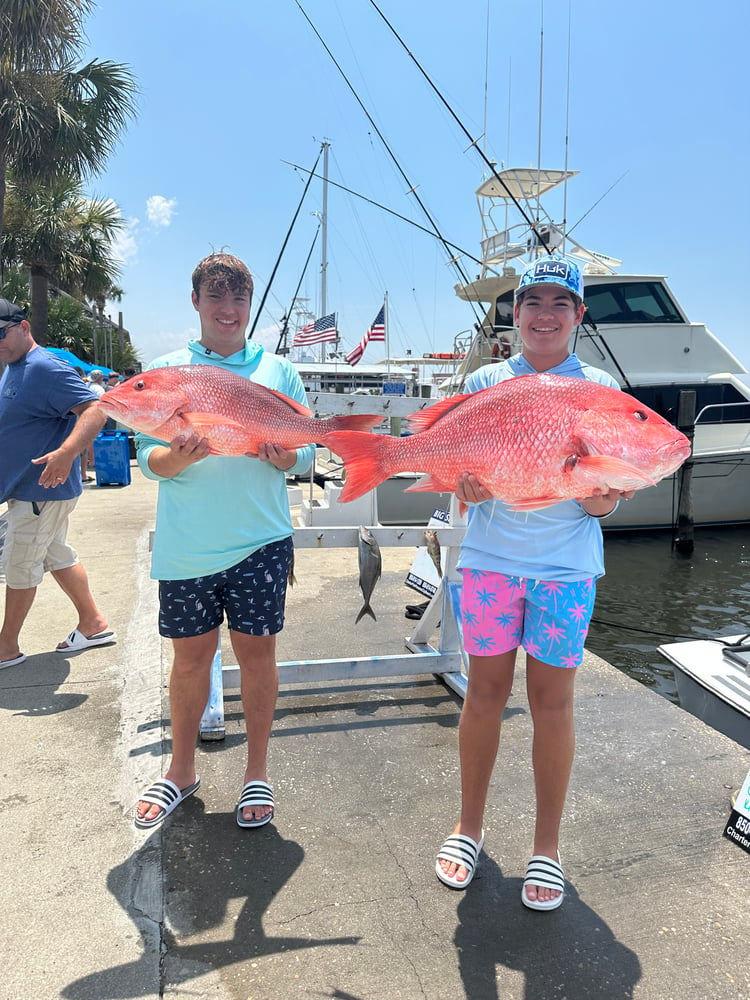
112,458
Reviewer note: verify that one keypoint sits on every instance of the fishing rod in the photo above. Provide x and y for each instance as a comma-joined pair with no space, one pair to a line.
285,320
281,253
473,142
412,190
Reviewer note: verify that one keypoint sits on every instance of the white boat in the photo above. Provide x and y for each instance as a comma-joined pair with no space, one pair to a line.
636,330
713,682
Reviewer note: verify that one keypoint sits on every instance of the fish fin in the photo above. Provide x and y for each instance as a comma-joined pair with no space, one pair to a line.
597,470
351,422
534,503
203,422
429,484
212,425
427,417
365,458
300,408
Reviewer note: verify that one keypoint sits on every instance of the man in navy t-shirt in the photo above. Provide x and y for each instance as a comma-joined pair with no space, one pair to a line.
46,421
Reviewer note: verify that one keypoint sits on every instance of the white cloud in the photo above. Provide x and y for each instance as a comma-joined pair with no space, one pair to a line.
160,210
125,243
268,337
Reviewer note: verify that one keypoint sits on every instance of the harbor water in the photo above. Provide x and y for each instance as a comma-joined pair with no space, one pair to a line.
652,594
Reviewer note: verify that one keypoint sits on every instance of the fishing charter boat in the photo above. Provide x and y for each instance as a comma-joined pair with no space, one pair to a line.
713,682
636,330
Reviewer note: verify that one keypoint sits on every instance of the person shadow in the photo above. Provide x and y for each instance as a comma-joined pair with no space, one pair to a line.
568,952
31,688
208,867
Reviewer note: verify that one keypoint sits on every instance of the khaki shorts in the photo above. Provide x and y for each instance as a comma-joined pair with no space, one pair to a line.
35,543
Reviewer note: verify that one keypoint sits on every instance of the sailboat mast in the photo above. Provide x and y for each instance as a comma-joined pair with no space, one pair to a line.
325,146
387,333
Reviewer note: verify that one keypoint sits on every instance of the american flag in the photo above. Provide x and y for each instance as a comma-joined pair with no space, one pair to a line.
316,333
375,332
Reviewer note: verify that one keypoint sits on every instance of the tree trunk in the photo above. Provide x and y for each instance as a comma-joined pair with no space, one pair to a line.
3,173
39,305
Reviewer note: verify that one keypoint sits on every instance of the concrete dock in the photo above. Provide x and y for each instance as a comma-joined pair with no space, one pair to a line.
337,897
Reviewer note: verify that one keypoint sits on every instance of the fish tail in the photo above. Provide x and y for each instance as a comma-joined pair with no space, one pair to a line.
366,610
365,458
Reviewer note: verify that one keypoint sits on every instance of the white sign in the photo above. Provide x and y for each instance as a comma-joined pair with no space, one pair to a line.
423,575
738,827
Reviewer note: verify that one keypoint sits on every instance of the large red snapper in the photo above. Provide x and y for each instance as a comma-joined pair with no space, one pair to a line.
233,413
531,441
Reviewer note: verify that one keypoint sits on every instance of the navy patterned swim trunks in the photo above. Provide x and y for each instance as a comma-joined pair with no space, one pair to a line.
252,593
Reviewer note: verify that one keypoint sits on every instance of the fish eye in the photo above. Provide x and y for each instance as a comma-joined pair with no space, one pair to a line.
640,415
140,384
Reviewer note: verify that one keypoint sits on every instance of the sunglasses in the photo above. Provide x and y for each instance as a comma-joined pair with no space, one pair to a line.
4,331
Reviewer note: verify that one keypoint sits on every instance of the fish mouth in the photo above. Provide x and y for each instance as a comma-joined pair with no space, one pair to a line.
112,404
674,454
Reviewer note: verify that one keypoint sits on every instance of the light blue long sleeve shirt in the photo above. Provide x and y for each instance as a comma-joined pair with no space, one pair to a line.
218,511
561,542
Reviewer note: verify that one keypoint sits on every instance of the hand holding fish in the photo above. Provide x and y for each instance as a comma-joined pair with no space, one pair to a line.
470,490
280,457
604,503
184,449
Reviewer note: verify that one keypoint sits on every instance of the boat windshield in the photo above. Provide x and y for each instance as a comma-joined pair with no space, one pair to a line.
631,302
615,302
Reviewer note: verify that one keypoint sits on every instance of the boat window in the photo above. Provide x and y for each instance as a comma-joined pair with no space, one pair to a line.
664,399
631,302
504,311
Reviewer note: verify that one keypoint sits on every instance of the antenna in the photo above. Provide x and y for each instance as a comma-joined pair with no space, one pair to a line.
567,138
539,127
486,79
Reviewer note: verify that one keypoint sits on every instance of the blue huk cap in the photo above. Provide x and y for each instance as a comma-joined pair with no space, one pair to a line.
553,271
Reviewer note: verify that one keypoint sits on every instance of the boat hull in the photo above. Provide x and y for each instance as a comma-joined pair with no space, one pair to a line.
712,688
719,495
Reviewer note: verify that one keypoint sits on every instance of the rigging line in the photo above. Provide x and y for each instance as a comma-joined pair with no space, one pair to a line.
403,218
391,211
411,187
590,330
597,202
285,328
473,143
281,252
650,631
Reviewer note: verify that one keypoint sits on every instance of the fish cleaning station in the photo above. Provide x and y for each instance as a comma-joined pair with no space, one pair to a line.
446,659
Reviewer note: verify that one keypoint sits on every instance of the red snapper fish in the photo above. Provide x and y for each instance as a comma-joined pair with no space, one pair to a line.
233,413
532,441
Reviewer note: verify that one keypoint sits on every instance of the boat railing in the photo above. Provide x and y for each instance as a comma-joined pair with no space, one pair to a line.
724,406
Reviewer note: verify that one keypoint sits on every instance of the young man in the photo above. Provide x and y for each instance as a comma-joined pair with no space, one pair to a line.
525,573
46,418
223,543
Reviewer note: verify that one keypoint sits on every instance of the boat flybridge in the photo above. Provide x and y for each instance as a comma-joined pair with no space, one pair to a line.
633,328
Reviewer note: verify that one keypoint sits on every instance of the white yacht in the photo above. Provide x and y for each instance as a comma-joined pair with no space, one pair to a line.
635,329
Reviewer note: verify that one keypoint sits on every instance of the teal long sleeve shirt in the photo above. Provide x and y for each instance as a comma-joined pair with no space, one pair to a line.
218,511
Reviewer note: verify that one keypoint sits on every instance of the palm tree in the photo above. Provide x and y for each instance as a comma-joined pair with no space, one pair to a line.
60,235
35,34
55,117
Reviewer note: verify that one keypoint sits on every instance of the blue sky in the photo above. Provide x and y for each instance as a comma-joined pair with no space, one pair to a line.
657,117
